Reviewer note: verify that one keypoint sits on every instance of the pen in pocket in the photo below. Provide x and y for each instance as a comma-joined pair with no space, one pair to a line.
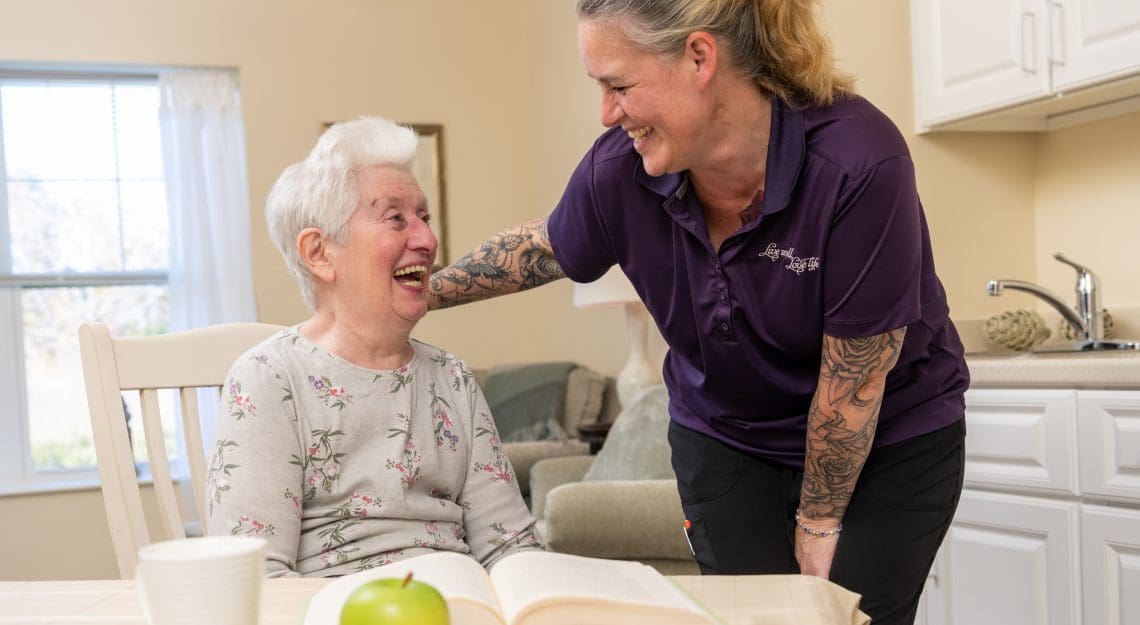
685,527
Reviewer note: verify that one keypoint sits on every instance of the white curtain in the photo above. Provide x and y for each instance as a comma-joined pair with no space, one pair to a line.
211,266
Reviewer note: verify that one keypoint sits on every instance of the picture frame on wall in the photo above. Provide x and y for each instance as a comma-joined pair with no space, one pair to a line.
429,172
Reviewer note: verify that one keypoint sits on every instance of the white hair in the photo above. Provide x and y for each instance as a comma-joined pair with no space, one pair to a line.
322,192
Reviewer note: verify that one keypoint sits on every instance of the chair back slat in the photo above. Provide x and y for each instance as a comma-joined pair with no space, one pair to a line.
167,498
195,453
121,496
184,361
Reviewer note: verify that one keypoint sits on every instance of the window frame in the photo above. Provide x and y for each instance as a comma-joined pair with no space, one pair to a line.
18,473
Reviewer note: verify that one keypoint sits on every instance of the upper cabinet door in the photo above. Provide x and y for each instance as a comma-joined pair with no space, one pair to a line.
973,56
1093,41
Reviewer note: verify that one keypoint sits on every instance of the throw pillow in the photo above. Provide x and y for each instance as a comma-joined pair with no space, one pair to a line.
585,390
528,401
637,446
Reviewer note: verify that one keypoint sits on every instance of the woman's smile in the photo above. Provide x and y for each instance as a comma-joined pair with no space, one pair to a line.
411,276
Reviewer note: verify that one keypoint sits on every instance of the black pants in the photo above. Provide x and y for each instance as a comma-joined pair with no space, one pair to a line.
741,512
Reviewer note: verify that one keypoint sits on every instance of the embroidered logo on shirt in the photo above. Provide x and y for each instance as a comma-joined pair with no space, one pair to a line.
795,263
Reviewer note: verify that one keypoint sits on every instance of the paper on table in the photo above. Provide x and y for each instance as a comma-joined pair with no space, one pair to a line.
778,600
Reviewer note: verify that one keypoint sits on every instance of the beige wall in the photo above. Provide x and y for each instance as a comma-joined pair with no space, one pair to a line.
1088,207
504,79
59,536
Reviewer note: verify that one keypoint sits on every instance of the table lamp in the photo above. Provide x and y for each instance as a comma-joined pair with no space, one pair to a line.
610,290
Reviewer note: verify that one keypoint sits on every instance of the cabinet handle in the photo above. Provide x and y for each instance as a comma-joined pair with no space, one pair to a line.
1029,59
1057,33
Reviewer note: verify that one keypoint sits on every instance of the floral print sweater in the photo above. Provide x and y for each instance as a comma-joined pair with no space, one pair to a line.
341,468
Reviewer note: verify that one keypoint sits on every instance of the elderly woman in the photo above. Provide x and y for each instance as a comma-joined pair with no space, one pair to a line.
343,442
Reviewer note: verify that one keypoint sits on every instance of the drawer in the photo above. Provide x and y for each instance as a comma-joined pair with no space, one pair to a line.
1024,439
1109,431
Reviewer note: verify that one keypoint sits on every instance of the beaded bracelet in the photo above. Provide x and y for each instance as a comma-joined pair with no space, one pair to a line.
814,532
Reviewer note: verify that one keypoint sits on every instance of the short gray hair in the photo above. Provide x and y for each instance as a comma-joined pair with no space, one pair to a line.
321,191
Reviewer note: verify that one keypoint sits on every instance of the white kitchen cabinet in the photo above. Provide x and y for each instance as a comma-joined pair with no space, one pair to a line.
1110,445
1110,565
974,56
1010,560
1023,64
1093,41
1025,439
1048,528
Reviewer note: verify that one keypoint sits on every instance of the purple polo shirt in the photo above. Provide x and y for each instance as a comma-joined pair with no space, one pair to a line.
841,247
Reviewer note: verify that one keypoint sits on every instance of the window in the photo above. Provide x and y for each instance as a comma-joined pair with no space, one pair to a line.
84,235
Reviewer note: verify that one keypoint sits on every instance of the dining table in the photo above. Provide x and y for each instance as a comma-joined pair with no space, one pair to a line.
734,599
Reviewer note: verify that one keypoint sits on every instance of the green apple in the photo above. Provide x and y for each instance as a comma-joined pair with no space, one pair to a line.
392,601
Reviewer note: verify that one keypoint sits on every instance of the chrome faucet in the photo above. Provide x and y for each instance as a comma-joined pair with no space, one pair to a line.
1088,316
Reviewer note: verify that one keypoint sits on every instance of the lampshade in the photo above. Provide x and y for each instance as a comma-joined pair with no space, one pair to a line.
611,289
614,289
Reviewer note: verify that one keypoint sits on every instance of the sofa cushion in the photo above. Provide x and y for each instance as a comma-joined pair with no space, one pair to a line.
528,401
585,393
523,455
590,397
637,446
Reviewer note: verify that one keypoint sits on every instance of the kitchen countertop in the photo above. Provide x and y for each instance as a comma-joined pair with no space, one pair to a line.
1102,370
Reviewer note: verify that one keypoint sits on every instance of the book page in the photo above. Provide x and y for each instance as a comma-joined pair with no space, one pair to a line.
529,581
458,577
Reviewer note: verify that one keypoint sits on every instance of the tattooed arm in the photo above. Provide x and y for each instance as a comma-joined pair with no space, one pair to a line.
514,260
841,427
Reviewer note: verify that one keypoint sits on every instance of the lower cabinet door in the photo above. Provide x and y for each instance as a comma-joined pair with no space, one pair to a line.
1011,560
932,605
1110,552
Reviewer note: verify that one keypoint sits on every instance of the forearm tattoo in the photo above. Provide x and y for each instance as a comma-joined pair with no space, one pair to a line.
842,418
516,259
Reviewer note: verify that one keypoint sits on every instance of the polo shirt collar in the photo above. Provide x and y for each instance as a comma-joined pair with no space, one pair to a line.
786,151
664,185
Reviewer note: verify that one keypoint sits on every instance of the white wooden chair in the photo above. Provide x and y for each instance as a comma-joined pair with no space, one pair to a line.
184,361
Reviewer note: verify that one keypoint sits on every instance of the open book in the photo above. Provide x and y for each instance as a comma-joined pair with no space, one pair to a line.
531,588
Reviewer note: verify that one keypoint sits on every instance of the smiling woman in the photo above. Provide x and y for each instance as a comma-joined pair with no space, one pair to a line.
346,443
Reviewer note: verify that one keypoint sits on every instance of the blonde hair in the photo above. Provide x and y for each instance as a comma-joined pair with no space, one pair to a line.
779,44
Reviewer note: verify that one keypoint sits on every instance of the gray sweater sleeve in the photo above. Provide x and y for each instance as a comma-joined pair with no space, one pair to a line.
495,516
255,475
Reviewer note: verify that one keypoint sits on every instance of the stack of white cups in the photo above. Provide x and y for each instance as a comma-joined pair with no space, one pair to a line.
214,580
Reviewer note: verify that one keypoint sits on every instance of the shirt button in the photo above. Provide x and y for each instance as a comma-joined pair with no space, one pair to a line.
724,326
723,296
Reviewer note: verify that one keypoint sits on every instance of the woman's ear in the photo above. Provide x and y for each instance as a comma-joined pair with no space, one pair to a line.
311,247
701,54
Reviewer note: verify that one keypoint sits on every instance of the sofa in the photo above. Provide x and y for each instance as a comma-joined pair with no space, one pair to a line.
621,503
545,404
